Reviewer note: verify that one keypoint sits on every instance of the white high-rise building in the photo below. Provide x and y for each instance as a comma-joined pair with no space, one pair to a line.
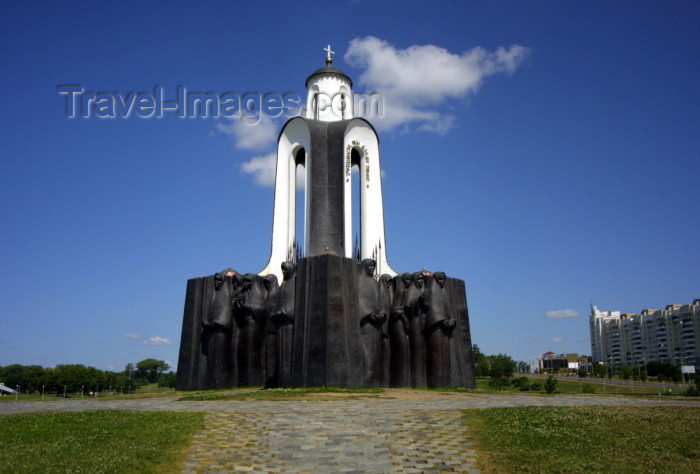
667,335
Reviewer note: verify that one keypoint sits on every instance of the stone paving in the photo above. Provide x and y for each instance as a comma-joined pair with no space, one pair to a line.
398,431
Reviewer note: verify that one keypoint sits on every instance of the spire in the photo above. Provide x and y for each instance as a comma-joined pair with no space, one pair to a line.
329,58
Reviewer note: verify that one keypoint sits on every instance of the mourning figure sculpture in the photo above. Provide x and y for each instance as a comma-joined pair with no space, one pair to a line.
386,296
217,330
371,319
414,309
439,324
251,310
283,320
400,362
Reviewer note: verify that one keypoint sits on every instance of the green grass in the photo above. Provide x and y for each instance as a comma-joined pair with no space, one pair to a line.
574,386
279,394
96,441
146,391
586,439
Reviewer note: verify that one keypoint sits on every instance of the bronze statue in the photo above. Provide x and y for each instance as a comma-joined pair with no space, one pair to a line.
414,309
283,320
251,310
371,319
217,333
439,324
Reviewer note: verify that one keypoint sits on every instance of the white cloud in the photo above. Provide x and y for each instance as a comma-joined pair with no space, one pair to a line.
415,81
557,339
263,169
250,136
157,341
562,313
132,335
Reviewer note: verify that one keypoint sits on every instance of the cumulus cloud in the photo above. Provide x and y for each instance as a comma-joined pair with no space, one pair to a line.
562,313
263,169
250,135
415,81
557,339
132,335
157,341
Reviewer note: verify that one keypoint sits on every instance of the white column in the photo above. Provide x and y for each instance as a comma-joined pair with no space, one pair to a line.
362,137
295,135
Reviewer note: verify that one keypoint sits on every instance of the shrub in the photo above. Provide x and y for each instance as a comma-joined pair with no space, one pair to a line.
550,386
498,383
587,388
536,386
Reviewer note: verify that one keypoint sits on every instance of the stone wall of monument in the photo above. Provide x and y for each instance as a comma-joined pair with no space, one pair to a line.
330,322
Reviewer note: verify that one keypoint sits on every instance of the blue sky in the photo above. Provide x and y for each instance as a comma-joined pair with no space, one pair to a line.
555,166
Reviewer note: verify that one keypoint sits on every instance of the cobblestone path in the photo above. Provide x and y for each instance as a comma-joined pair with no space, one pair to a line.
338,439
398,431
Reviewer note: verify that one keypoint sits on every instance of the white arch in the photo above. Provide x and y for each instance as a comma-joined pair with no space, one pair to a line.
360,135
294,136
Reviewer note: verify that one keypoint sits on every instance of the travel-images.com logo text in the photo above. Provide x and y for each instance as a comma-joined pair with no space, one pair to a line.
80,102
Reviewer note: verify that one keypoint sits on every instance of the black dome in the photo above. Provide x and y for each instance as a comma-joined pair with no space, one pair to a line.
328,70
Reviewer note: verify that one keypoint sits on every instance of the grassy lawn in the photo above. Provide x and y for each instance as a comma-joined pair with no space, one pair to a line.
146,391
96,441
315,393
586,439
589,386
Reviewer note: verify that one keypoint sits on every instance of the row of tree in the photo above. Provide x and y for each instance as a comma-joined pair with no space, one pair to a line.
77,378
497,366
661,370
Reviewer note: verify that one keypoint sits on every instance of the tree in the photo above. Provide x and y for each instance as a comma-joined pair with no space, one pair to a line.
582,372
599,370
167,380
550,385
501,365
663,371
150,369
481,365
129,370
625,372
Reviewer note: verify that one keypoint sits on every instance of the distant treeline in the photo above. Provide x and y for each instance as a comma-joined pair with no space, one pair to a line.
74,379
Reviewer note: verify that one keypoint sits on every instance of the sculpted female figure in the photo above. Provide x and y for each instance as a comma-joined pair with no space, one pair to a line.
217,331
251,310
439,324
414,309
283,320
371,320
400,363
386,296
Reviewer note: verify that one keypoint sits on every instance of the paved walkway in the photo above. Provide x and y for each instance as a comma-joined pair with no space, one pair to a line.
399,431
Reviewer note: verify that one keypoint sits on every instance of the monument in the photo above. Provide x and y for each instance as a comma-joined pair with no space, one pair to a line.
337,316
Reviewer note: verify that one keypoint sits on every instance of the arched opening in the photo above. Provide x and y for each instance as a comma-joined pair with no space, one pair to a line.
356,181
299,202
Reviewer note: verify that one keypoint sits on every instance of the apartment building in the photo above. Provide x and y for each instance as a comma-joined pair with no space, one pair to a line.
665,335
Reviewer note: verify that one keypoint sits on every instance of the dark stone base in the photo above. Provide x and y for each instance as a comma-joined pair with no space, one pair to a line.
334,338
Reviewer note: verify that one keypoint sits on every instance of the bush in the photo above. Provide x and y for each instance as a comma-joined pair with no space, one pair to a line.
520,382
536,386
550,386
167,380
587,388
498,383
